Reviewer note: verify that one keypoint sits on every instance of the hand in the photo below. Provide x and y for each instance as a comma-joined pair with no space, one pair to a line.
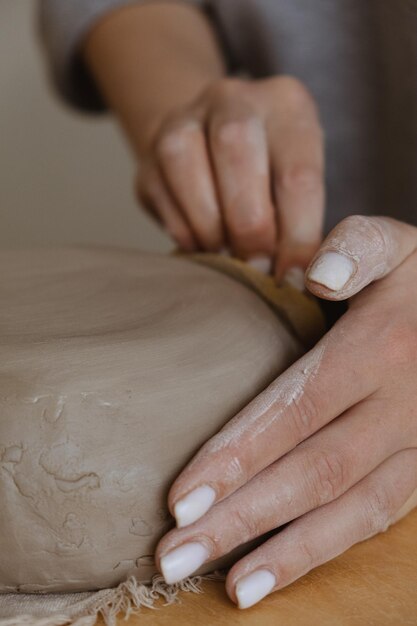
241,167
330,446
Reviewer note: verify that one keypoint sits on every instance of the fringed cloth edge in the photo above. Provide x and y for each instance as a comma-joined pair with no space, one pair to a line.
127,599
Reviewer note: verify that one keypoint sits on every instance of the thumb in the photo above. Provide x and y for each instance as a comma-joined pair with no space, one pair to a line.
357,252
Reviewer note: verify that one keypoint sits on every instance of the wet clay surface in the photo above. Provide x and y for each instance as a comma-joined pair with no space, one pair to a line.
115,367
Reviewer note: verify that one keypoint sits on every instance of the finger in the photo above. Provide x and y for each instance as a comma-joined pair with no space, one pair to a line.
408,506
322,385
184,161
365,510
297,156
155,197
314,473
357,252
239,153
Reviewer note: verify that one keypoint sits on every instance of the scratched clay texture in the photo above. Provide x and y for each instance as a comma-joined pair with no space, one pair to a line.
116,366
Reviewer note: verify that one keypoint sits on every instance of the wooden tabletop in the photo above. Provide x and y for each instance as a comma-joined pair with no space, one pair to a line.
373,584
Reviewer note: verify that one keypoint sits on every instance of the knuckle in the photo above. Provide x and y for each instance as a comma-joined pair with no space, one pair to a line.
252,229
396,339
173,142
303,417
402,344
224,88
237,131
369,229
308,555
296,93
327,474
355,222
378,510
301,177
245,525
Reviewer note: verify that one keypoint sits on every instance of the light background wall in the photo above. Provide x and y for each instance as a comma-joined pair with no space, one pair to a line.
64,177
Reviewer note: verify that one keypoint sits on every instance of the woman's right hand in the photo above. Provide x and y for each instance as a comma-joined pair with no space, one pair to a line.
241,167
224,163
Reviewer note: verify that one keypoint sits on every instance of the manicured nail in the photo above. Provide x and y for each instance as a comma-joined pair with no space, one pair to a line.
194,505
254,587
333,270
183,561
295,277
261,263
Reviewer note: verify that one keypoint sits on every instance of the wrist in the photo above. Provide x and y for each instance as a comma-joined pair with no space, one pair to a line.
149,60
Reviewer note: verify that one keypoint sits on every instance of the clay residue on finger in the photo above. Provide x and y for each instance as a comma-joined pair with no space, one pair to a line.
368,243
269,406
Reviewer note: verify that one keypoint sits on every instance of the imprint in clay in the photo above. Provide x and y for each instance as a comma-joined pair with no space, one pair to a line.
116,366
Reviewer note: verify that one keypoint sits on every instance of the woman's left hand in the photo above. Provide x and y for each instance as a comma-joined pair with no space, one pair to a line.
330,446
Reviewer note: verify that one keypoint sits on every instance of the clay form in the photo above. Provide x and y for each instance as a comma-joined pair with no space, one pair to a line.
115,367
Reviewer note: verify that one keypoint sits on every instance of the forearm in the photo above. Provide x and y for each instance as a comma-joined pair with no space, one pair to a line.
150,59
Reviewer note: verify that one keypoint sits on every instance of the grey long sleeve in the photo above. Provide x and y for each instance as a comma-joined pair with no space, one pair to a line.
63,25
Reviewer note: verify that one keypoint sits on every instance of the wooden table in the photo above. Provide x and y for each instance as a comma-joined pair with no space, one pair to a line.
373,584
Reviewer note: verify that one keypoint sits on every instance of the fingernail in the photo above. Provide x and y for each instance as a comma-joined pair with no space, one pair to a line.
183,561
295,277
261,263
254,587
194,505
333,270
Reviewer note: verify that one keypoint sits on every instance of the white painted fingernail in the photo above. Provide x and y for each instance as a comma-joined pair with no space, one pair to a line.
183,561
194,505
261,263
333,270
295,277
254,587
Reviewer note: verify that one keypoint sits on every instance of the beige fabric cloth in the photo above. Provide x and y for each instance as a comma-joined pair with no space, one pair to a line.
84,608
304,318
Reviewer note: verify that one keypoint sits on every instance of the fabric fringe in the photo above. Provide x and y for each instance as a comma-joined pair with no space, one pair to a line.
124,600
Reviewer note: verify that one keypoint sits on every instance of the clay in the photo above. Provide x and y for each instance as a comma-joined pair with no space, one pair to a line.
115,367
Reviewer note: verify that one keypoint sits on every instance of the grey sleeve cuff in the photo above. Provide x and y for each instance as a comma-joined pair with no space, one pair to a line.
63,24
